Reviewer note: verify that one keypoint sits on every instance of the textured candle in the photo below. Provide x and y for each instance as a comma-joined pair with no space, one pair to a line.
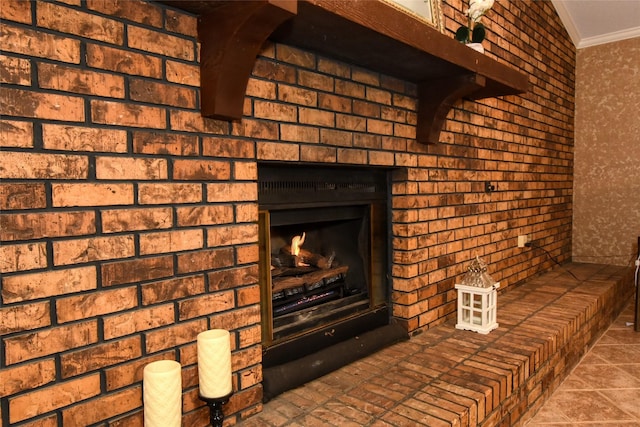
162,394
214,363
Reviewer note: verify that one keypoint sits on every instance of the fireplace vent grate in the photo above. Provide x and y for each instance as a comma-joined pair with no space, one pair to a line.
280,186
286,186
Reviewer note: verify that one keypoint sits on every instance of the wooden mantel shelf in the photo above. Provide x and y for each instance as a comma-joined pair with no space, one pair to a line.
368,33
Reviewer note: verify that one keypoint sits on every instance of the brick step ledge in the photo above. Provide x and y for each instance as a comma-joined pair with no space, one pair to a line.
450,377
546,326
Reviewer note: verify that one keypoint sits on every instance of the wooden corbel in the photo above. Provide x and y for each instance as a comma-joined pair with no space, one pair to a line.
231,37
435,99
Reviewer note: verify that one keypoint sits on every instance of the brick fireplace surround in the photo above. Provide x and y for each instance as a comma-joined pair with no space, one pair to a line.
129,221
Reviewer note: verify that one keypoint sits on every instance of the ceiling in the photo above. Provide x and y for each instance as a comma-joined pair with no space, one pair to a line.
594,22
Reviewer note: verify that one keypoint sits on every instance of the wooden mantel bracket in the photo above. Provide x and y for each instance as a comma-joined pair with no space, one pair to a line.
435,99
231,36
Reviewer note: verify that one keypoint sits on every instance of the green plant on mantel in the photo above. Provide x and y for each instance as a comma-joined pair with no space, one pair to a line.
474,31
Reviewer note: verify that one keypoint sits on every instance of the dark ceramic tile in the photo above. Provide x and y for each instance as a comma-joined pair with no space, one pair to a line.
573,382
627,400
580,406
591,359
618,353
621,336
567,424
549,413
604,377
632,369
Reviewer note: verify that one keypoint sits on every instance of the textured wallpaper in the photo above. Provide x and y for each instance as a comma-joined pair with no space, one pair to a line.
606,222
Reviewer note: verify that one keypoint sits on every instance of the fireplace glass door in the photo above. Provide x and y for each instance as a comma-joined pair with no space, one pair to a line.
323,254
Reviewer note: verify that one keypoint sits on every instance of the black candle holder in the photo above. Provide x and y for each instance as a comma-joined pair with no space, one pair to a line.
216,416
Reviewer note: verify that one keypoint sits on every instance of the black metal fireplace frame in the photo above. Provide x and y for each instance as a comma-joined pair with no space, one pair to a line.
283,187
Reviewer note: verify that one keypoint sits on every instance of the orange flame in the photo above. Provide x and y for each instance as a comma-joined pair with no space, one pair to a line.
296,244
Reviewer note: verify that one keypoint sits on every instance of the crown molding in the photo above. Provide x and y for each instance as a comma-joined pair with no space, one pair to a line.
574,33
609,38
567,20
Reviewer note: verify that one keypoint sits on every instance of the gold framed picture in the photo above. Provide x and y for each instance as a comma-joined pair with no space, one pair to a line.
428,11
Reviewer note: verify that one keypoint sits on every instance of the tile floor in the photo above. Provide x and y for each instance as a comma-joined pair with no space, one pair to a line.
604,389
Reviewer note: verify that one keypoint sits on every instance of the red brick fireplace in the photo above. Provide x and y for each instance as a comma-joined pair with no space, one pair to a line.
130,222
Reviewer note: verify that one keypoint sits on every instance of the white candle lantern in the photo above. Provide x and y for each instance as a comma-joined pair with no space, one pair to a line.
162,394
214,363
477,300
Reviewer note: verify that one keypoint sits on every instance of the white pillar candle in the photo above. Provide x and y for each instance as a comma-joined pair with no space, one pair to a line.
214,363
162,394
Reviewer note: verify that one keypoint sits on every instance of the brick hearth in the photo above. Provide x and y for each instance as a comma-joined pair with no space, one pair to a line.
447,377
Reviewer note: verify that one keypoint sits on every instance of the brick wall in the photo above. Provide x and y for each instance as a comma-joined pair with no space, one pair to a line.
128,221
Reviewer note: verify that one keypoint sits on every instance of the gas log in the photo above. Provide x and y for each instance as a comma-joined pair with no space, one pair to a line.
286,259
293,277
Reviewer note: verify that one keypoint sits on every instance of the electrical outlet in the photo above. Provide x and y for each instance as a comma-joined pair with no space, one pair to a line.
523,239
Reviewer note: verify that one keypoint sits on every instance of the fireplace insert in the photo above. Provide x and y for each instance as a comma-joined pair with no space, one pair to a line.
324,249
320,267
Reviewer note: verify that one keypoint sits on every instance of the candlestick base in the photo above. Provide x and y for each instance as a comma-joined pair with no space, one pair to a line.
216,416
